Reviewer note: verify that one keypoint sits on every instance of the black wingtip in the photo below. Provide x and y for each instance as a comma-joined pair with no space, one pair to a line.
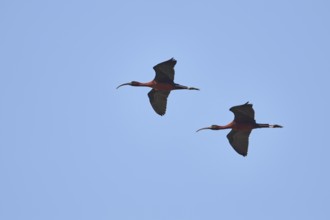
248,103
242,154
160,114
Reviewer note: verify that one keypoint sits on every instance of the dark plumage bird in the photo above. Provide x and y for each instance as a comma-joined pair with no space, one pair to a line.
241,126
161,85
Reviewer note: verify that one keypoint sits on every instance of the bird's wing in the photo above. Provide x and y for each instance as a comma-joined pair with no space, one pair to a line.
243,113
165,71
239,140
158,100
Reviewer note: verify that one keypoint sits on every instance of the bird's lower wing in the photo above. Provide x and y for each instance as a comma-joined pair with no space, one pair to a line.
158,100
239,140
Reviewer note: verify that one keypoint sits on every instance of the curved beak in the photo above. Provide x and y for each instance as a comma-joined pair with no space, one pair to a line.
203,129
193,88
125,84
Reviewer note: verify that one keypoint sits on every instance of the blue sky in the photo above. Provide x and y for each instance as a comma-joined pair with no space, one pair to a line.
74,147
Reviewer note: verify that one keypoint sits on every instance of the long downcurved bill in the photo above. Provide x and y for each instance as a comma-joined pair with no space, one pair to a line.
203,129
193,88
125,84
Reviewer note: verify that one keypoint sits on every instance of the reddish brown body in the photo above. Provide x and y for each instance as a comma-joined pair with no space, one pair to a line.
242,126
163,86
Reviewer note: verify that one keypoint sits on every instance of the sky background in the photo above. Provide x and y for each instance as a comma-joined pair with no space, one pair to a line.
74,147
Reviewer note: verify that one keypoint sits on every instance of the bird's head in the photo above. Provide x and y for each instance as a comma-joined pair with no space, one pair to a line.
212,127
133,83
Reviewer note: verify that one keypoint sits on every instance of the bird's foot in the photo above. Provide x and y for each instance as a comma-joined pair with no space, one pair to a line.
276,126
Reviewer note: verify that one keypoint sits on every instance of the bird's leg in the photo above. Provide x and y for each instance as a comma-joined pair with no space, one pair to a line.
275,126
268,126
178,86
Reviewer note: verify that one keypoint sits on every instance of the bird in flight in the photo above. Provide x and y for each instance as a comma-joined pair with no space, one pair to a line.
241,127
161,85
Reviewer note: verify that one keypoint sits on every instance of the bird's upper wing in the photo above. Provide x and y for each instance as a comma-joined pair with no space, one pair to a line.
158,100
165,71
243,113
239,140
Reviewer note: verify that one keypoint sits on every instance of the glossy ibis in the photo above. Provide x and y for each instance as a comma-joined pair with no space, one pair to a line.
241,126
161,85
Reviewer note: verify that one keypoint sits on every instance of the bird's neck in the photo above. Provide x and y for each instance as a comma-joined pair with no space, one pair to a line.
145,84
222,127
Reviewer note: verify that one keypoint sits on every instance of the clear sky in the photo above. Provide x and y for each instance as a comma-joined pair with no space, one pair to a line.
74,147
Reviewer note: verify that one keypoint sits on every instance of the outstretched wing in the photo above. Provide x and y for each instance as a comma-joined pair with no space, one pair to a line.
165,71
243,113
239,140
158,100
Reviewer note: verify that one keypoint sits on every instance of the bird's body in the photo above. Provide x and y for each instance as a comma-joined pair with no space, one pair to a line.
235,126
161,85
241,126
